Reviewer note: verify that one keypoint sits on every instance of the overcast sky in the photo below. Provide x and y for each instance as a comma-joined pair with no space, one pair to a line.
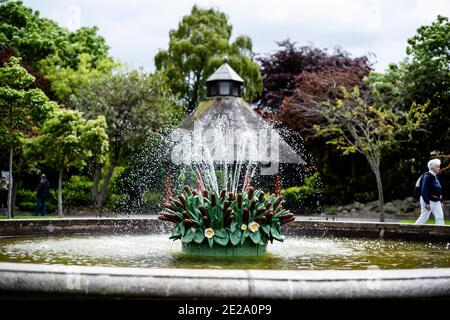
136,29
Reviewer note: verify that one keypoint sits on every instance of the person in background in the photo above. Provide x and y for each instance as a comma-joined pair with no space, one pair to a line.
3,195
42,193
431,194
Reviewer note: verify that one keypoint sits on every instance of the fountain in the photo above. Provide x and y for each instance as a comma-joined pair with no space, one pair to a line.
224,141
224,224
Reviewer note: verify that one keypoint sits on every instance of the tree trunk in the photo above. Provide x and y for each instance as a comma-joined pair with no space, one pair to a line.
13,198
102,196
380,193
10,183
99,197
60,211
96,181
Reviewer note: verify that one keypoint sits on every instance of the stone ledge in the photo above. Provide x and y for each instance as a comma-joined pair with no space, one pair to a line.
95,226
77,226
369,230
17,279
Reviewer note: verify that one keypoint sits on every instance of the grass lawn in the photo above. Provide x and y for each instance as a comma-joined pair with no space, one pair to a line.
428,222
27,215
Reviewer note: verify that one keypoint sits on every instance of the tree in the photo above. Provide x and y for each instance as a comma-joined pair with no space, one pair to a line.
36,38
356,123
424,76
45,46
197,48
40,82
135,105
65,81
429,70
23,110
312,88
68,141
428,79
290,68
295,80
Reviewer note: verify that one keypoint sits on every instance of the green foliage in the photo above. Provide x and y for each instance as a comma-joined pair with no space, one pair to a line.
152,200
67,59
390,87
226,218
355,125
429,48
134,103
36,38
424,77
23,109
136,106
306,195
197,48
116,201
26,201
428,79
67,80
77,192
67,141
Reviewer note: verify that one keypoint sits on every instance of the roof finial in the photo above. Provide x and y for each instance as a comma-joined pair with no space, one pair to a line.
225,59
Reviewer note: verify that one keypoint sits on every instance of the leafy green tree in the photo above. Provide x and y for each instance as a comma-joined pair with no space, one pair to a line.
428,77
197,48
390,87
424,76
52,50
65,81
135,105
68,141
33,37
22,108
36,38
357,123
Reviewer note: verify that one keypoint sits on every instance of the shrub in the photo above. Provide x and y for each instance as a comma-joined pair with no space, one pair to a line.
26,201
305,198
77,192
152,200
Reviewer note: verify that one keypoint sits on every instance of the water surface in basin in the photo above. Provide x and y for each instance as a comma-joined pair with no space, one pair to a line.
156,251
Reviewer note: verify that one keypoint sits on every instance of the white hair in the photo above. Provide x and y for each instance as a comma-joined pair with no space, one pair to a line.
435,163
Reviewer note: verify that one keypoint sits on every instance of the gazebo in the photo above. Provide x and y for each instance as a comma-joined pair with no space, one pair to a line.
225,104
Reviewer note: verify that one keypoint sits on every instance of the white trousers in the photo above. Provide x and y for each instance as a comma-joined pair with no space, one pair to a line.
436,208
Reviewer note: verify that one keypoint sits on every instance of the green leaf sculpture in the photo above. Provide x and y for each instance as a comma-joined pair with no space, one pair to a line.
225,218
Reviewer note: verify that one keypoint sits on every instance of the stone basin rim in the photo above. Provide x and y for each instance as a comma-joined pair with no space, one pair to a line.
126,282
35,280
139,225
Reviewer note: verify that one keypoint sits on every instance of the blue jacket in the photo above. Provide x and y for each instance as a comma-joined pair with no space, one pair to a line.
431,188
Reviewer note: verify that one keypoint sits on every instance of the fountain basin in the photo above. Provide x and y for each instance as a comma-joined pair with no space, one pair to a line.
174,281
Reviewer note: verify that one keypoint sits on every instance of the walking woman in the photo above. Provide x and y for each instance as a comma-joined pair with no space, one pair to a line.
431,194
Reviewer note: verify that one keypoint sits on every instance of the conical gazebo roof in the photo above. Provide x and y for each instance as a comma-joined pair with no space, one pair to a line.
225,72
236,113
